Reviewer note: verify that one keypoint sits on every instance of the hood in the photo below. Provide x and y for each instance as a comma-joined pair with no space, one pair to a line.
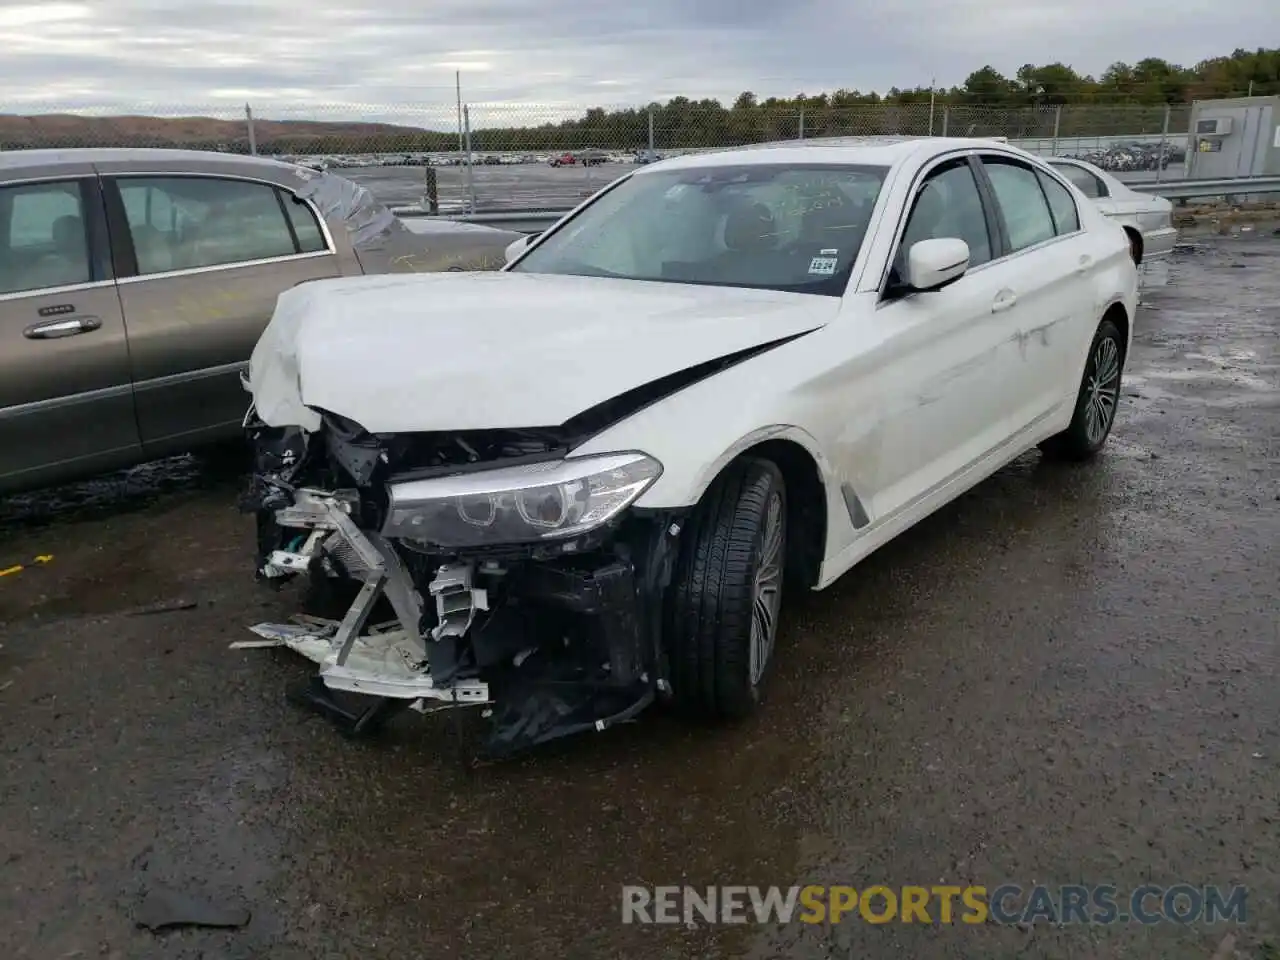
477,351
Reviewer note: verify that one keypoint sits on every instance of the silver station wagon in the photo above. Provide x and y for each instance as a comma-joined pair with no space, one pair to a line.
134,284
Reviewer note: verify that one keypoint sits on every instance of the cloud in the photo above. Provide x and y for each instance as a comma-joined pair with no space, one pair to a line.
329,59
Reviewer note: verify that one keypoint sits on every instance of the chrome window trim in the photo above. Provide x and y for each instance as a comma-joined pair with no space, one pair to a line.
55,291
27,181
222,267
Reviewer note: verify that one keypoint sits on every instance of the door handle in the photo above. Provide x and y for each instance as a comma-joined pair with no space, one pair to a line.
1004,300
66,327
1086,262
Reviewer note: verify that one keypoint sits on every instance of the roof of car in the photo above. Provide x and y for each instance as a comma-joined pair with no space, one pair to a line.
874,151
56,156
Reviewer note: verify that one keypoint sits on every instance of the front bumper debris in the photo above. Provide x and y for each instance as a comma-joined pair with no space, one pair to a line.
545,648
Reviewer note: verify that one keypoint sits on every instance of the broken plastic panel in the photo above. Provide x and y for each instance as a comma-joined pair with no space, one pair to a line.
393,661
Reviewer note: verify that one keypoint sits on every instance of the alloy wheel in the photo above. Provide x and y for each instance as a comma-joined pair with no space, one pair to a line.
1103,390
767,590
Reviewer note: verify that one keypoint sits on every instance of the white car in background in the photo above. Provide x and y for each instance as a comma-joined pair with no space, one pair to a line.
723,374
1147,219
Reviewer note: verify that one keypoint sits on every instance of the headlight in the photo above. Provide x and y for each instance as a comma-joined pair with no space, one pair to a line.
537,501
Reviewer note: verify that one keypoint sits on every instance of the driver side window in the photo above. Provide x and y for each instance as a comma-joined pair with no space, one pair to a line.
948,205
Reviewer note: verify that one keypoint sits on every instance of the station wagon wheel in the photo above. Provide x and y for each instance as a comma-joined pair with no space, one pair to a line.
1097,400
721,620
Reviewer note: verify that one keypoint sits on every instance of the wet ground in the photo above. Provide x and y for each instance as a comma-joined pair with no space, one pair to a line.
1067,676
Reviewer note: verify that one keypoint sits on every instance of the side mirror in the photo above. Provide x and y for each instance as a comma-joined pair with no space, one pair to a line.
516,247
932,264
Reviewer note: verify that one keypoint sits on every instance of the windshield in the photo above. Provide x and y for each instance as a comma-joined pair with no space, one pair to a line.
796,228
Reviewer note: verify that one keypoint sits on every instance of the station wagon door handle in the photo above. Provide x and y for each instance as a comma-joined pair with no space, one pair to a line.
1086,262
1005,299
65,327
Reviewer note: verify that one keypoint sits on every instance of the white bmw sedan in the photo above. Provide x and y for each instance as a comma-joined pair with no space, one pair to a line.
581,484
1147,219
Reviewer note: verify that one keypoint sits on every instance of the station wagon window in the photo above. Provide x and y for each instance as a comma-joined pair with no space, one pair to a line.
181,223
1066,218
1022,203
948,204
43,240
1089,184
789,227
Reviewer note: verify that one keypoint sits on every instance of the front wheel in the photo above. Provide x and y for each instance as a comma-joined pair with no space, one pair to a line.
727,592
1096,402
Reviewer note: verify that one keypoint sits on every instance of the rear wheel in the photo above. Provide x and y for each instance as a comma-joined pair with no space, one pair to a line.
726,595
1096,402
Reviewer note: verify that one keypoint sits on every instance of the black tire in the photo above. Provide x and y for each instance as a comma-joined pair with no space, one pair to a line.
1086,435
713,593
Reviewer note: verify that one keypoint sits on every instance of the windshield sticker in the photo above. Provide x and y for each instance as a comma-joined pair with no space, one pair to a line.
829,252
823,266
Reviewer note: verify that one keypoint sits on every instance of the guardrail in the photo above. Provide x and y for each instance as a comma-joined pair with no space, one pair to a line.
535,221
1194,189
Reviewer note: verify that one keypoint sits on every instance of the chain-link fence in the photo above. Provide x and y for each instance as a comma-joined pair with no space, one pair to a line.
481,142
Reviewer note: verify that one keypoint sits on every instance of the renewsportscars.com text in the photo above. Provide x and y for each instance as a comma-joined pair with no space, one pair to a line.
1004,904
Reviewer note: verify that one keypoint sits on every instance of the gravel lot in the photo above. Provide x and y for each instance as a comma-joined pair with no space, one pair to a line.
514,187
530,186
1068,676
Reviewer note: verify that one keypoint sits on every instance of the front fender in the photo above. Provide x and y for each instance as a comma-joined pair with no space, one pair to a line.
688,471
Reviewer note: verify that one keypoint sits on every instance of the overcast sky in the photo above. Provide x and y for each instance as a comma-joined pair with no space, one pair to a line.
278,54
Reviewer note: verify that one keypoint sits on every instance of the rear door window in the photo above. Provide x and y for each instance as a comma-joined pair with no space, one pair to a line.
184,223
1066,218
1022,202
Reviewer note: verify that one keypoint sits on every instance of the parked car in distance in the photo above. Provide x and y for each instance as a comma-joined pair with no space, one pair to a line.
1146,218
134,284
724,374
563,160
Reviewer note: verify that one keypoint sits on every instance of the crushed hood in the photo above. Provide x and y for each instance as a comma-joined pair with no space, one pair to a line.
475,351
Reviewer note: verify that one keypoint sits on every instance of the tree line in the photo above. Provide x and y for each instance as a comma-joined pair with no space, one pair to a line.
1148,97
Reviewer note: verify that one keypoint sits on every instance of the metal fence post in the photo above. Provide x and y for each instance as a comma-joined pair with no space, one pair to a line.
433,190
801,137
946,119
471,179
1163,157
253,139
651,130
1057,126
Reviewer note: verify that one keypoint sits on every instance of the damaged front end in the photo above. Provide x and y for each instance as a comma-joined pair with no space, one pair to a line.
484,568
